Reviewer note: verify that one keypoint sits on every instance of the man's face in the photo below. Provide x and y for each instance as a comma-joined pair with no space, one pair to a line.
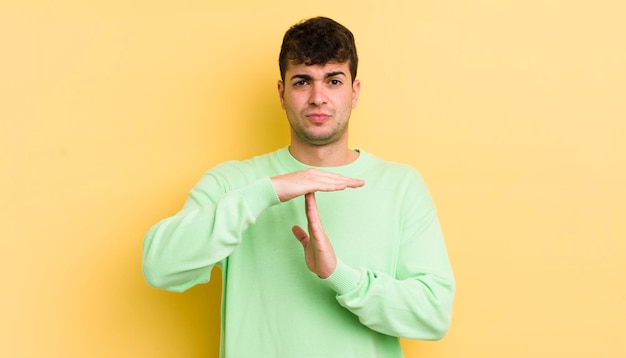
318,101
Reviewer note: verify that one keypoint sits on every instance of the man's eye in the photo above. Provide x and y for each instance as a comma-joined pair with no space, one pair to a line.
300,83
335,82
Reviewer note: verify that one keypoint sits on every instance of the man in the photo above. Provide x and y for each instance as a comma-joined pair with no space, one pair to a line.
370,265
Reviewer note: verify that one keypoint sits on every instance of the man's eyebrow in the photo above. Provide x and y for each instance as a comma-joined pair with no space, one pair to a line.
302,77
306,77
334,73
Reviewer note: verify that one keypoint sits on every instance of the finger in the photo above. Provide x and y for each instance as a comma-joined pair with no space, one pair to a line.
310,207
340,184
300,234
327,181
336,181
313,217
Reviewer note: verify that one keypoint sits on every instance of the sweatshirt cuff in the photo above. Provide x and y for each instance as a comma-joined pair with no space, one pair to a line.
259,196
344,279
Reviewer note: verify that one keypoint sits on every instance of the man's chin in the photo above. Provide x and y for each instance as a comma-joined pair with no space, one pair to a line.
320,140
319,137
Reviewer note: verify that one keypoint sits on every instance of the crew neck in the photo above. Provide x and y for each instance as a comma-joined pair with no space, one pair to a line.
356,166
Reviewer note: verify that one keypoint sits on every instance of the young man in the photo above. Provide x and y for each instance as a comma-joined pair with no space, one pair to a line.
315,263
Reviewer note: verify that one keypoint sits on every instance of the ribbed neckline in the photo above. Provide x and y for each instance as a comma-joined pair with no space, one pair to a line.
359,165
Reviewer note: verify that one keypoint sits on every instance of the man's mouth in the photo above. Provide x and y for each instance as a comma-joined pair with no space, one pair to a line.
317,117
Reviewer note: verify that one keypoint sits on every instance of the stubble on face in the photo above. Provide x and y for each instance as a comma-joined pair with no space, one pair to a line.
318,101
318,138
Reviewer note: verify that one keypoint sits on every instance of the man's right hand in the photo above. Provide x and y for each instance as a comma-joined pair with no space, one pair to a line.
292,185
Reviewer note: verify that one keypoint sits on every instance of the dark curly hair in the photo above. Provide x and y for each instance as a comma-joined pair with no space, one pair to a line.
318,41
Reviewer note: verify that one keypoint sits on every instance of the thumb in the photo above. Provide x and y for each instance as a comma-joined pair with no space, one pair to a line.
301,235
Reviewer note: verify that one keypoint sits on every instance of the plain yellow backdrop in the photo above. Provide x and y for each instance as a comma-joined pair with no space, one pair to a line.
513,111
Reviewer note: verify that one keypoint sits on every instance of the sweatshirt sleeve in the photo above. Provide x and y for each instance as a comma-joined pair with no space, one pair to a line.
180,251
416,301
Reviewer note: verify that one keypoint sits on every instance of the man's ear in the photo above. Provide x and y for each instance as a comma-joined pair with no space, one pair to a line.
281,93
356,90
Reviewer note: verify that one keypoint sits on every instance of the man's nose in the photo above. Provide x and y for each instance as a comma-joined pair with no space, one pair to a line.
318,97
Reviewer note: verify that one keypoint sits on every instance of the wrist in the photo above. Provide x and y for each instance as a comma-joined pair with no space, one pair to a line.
327,271
344,278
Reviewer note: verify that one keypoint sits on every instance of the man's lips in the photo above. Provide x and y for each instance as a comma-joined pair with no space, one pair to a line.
317,117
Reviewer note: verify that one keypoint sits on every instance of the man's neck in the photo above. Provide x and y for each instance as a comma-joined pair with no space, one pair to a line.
333,155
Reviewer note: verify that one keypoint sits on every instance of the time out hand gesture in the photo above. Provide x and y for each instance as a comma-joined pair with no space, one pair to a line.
318,251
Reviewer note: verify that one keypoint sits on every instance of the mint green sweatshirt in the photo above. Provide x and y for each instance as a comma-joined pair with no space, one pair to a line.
393,277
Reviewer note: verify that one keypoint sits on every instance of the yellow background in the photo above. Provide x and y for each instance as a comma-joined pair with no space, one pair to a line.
513,111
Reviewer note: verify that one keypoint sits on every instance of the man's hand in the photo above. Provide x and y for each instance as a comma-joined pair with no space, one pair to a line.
292,185
318,251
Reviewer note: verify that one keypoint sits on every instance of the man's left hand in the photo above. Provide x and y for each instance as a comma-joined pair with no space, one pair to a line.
318,251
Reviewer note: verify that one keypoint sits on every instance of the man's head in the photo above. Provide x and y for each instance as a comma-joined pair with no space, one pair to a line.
318,41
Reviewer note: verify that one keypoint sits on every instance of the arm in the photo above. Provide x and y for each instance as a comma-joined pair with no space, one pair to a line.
414,303
180,251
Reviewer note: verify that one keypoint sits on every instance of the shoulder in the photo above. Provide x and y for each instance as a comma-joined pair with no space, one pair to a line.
392,169
234,173
401,179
